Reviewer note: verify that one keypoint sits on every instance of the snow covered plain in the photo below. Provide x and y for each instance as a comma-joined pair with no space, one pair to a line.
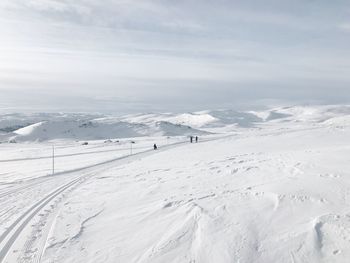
270,186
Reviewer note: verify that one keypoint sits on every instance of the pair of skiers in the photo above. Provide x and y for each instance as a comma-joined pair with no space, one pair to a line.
191,139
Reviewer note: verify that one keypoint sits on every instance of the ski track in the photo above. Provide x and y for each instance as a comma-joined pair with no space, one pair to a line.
13,232
7,239
68,155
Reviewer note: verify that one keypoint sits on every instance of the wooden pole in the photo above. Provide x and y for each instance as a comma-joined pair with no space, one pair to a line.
53,159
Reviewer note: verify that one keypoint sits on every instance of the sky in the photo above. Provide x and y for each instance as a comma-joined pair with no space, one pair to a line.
158,55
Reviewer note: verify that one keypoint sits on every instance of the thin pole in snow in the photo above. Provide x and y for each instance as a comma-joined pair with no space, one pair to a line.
53,159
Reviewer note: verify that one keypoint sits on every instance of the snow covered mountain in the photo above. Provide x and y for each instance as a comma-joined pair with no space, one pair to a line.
98,130
43,127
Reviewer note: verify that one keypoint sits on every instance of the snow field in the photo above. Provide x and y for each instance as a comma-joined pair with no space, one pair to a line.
268,198
274,190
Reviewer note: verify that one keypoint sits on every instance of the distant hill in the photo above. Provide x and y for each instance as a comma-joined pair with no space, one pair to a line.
46,126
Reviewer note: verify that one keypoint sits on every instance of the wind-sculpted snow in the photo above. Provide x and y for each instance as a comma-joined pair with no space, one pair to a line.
268,195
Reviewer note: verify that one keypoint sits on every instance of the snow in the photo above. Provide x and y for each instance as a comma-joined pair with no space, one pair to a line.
275,191
28,130
338,122
97,130
193,120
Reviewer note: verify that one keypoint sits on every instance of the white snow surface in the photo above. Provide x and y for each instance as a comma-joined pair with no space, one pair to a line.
194,120
277,191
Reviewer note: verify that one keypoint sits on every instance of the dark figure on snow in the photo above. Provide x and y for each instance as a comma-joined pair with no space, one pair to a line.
191,139
155,146
196,138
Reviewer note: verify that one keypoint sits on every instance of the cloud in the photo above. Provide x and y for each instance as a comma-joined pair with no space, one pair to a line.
152,48
344,27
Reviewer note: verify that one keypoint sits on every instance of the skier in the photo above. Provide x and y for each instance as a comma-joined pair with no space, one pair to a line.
196,139
155,147
191,138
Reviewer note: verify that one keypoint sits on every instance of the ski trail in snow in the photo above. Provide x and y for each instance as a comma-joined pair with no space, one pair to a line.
67,155
13,232
49,233
14,190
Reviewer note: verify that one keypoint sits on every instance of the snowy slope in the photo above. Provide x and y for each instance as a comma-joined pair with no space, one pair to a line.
165,128
276,193
194,120
83,130
314,113
338,122
98,130
14,121
240,199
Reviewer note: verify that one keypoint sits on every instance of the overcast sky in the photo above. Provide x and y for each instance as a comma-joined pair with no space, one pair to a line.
122,55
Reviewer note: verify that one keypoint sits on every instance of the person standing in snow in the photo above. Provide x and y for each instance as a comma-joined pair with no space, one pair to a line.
196,139
155,147
191,138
